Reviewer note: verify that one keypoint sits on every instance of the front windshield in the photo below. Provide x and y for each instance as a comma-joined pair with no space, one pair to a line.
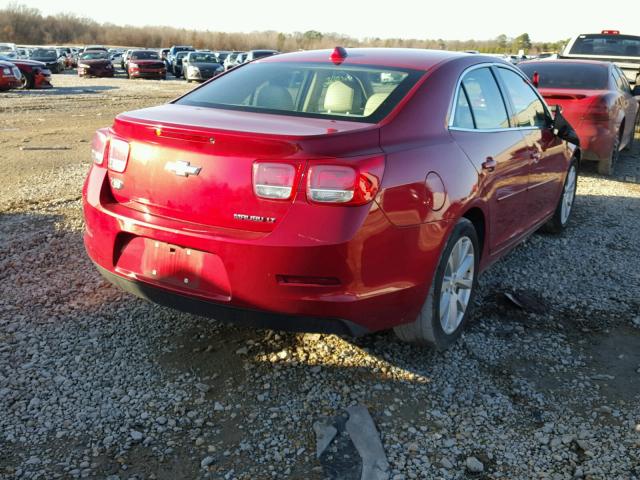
202,58
97,55
144,56
360,93
41,52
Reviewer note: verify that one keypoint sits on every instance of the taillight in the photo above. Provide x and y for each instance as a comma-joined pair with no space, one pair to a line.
598,112
355,184
118,155
273,180
99,145
331,184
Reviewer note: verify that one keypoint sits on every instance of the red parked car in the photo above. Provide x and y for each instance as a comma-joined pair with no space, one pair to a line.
302,191
10,76
146,64
95,63
596,99
34,74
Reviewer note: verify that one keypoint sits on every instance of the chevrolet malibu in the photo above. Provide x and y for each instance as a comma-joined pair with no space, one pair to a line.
302,192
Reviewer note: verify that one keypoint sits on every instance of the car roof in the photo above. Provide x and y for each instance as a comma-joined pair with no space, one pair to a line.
414,58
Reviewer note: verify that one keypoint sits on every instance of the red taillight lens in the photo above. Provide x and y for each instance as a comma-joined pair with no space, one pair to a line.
99,145
273,180
345,184
598,112
118,155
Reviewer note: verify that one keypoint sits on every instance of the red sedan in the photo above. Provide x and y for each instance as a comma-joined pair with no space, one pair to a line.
95,63
10,76
596,99
34,74
346,191
146,64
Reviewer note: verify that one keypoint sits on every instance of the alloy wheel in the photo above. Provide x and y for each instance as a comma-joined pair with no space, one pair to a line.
457,284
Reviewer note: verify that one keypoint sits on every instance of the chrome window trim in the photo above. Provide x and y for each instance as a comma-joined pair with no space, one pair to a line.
452,105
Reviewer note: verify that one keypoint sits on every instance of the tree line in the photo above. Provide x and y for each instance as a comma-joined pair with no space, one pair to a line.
23,25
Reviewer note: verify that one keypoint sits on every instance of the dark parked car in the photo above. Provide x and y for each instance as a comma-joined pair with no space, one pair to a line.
146,64
49,56
173,52
95,63
34,74
200,66
252,55
176,65
300,192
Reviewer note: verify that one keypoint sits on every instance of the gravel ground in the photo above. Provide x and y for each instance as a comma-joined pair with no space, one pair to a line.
97,384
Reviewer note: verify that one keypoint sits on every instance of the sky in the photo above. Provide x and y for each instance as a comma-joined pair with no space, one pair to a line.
446,19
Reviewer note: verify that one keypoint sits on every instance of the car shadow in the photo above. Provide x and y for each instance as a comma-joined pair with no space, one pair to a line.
55,91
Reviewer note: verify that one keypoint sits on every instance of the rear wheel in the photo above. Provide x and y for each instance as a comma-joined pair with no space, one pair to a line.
448,304
560,218
26,81
605,166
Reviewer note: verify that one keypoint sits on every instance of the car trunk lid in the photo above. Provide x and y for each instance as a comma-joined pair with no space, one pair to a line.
195,164
575,103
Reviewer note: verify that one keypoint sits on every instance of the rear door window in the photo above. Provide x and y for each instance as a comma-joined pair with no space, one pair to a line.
483,95
528,108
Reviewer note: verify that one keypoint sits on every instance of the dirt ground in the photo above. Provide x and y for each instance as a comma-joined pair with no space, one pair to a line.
553,393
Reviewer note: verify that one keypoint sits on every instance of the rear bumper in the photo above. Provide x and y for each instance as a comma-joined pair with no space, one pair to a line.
596,141
7,83
383,272
237,316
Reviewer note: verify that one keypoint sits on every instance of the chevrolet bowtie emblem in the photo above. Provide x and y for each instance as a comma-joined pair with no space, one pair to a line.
182,169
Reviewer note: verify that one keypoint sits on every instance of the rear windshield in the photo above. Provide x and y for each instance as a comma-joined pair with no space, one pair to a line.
358,93
145,56
568,75
607,45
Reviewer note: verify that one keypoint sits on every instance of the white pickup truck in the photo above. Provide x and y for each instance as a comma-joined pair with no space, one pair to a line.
608,46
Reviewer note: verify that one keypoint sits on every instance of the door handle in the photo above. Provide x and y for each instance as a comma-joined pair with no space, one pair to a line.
535,156
489,164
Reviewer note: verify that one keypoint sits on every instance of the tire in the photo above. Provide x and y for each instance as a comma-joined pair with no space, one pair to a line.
428,328
562,214
605,166
634,132
27,81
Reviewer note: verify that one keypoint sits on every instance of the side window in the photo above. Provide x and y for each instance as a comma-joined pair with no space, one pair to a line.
485,100
529,110
463,118
621,81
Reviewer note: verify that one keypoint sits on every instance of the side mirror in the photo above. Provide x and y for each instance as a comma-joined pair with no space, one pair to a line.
636,91
563,129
